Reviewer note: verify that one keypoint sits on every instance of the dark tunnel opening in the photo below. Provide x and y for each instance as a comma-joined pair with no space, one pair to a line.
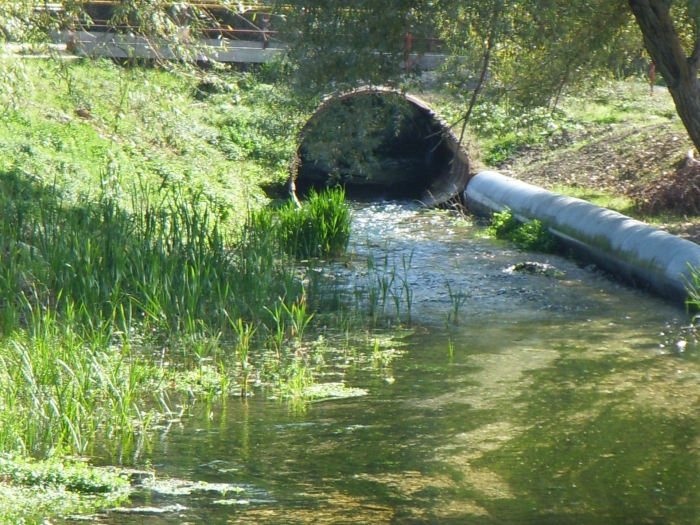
380,144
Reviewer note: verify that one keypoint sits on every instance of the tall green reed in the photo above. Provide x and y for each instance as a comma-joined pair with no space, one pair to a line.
320,228
60,388
84,280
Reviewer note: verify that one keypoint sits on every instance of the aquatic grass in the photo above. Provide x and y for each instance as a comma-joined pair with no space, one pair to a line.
297,379
166,258
397,297
244,332
82,280
457,300
692,286
298,318
406,263
278,333
377,284
59,389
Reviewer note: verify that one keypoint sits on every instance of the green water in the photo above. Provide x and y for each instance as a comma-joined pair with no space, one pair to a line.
564,400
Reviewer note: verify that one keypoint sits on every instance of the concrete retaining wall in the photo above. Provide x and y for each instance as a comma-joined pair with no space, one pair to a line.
626,247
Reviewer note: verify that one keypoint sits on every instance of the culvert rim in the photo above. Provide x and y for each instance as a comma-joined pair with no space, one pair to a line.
446,186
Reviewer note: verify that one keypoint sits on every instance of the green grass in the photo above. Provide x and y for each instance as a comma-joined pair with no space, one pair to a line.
153,126
319,228
499,130
139,261
618,203
59,390
628,102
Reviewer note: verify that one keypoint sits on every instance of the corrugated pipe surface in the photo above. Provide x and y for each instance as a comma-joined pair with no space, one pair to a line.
626,247
441,175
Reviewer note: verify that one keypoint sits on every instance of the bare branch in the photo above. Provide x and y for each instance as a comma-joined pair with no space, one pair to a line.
485,69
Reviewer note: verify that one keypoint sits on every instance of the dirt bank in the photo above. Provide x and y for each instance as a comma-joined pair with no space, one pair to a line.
636,162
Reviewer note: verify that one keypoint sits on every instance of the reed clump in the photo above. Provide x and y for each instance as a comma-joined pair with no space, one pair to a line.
319,228
92,289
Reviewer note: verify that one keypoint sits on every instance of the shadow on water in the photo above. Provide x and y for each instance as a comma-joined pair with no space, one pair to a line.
565,399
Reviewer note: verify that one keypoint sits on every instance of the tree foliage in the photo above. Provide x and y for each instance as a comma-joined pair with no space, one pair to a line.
539,45
532,48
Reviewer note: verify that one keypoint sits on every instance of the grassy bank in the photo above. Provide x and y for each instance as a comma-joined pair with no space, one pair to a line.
615,144
142,268
83,125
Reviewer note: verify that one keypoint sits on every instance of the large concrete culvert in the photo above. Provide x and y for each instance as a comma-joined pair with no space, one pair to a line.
380,143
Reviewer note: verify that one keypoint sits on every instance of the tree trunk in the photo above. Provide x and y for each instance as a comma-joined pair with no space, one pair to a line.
680,71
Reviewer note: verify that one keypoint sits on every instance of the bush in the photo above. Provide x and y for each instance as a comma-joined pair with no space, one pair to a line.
532,236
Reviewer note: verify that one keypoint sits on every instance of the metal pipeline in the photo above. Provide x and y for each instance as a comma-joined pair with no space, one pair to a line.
635,251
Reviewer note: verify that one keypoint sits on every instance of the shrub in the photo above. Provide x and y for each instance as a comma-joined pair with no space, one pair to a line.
533,236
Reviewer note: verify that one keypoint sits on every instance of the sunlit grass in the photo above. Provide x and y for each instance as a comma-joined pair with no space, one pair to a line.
319,228
618,203
91,289
153,126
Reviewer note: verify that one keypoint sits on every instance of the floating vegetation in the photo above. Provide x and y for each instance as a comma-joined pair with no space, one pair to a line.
181,487
76,477
31,489
325,391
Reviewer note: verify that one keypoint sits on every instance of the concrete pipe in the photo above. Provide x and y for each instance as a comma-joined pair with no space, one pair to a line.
626,247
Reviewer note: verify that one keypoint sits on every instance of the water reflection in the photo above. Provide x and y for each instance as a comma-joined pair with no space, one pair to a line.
565,399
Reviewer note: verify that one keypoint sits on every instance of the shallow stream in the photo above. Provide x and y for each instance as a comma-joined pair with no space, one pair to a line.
561,396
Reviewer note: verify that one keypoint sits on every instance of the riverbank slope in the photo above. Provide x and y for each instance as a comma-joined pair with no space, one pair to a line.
619,146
